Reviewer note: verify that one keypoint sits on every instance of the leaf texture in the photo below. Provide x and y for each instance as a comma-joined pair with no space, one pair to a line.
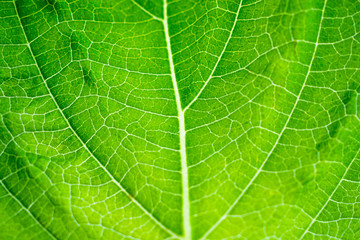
201,119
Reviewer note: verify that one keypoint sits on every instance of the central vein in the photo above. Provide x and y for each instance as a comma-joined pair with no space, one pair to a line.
184,169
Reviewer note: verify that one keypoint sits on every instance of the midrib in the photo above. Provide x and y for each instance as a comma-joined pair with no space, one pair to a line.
181,118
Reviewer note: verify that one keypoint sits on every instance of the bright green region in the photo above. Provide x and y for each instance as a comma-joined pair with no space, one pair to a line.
92,138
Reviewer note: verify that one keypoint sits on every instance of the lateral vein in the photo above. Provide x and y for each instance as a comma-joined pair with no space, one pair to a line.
219,59
146,11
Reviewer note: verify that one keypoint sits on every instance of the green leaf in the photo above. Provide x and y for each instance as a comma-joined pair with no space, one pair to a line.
211,119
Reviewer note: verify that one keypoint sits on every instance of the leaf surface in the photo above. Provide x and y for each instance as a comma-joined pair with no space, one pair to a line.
213,119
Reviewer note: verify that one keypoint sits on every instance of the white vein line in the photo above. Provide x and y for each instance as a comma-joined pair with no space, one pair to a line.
331,195
27,210
181,117
85,146
278,139
120,68
219,59
146,11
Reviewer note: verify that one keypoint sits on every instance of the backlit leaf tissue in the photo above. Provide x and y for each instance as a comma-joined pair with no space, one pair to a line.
180,119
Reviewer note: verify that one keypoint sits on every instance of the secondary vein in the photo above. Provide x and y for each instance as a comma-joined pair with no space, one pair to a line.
220,57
